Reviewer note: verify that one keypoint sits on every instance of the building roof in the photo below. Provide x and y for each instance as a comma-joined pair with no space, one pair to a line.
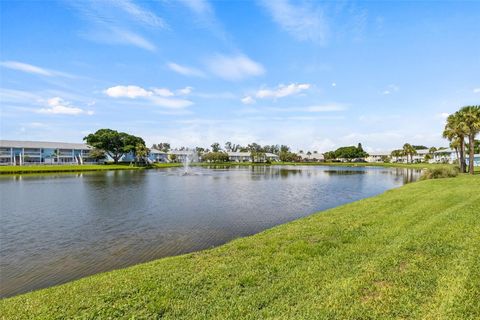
247,154
42,144
181,152
379,153
155,151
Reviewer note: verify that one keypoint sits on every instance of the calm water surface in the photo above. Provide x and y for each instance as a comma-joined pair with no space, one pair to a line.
57,228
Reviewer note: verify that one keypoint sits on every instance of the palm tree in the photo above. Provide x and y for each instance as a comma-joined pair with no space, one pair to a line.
470,117
409,150
455,130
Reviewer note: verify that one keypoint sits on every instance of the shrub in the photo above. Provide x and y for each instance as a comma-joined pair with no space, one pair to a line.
438,173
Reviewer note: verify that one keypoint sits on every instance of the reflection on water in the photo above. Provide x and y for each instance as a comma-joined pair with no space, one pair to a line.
56,228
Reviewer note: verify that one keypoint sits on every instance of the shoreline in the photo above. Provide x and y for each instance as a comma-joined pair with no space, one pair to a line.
323,262
39,169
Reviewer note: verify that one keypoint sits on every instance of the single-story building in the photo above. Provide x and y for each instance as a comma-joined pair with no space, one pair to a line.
378,156
314,156
246,157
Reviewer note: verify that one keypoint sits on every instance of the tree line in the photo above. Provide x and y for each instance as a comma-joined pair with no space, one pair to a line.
463,126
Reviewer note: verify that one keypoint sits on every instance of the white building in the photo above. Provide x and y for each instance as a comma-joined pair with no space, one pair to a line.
378,156
247,157
13,152
182,155
311,156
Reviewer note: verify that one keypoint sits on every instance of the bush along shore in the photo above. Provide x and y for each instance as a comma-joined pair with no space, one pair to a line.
410,253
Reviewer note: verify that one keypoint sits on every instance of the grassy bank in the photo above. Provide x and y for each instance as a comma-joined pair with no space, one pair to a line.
410,253
63,168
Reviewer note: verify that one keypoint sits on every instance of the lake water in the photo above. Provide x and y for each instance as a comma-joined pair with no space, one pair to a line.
60,227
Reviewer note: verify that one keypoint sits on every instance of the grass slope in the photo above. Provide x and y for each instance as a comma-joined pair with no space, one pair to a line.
410,253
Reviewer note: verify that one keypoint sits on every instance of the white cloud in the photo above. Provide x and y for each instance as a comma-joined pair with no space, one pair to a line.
282,91
235,67
184,70
57,105
391,89
131,92
125,36
248,100
158,96
334,84
164,92
185,91
171,103
139,14
28,68
476,90
444,115
304,22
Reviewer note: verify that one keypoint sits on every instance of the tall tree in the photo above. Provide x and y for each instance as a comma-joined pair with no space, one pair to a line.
455,129
215,147
470,118
409,150
111,141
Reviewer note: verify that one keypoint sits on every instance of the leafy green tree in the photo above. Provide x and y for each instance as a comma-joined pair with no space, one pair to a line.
228,146
97,154
215,147
162,146
141,152
172,157
217,156
114,143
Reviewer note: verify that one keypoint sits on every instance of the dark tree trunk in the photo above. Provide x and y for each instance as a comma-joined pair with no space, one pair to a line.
463,168
471,144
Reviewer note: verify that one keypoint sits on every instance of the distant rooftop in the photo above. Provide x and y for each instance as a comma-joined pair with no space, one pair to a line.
42,144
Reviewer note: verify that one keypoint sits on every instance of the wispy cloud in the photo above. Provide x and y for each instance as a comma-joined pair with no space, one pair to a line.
159,96
282,90
303,21
248,100
476,90
28,68
233,68
184,70
57,105
205,16
112,22
139,14
391,89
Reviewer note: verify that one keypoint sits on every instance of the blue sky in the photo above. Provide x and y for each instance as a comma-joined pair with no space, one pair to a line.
315,75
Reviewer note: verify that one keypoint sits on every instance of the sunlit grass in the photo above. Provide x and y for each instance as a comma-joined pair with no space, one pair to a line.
410,253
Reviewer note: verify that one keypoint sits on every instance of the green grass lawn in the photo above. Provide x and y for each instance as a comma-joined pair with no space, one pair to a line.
410,253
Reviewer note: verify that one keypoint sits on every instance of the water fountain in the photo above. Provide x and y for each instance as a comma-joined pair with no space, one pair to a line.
186,165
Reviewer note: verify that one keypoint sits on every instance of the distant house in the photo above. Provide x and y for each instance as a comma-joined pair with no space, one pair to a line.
157,156
378,156
182,155
247,157
311,156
